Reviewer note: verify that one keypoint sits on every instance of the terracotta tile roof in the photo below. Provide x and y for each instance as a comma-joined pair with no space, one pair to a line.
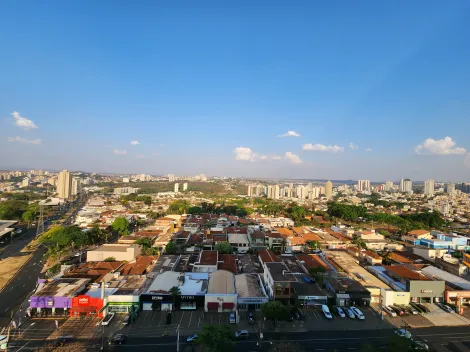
219,238
396,257
372,255
258,234
298,230
403,272
295,241
416,233
267,256
147,233
229,262
312,261
139,267
195,239
246,221
95,271
208,258
274,235
311,237
285,232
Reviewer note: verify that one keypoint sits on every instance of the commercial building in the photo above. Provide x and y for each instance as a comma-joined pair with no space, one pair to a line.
55,297
85,305
64,185
221,294
278,280
250,290
75,185
119,252
347,291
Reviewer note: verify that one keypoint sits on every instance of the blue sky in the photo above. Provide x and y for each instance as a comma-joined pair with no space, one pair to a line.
209,86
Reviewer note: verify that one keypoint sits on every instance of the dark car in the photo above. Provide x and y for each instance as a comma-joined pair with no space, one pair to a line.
296,315
251,318
118,339
63,340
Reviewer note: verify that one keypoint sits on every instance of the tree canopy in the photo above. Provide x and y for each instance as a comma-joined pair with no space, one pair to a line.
275,310
121,226
223,248
217,338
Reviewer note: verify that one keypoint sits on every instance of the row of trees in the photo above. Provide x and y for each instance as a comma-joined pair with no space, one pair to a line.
14,210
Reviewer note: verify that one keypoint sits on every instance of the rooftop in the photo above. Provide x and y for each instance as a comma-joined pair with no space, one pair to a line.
248,286
303,286
164,282
165,263
138,266
405,273
67,287
268,256
238,238
280,272
114,248
221,282
312,261
416,233
208,258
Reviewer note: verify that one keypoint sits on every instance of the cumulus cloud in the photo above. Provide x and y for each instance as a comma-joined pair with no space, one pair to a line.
294,159
120,152
290,134
445,146
368,149
23,122
323,148
353,146
135,143
246,154
24,141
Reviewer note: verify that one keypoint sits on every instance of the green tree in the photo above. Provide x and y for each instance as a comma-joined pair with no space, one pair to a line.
274,311
179,206
223,248
110,259
216,338
314,244
174,292
170,248
144,242
121,226
195,210
12,209
28,217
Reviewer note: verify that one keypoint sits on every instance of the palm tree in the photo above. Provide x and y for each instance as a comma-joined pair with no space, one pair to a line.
174,292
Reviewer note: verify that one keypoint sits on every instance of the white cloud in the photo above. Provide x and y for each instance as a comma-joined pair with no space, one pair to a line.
368,149
246,154
120,152
23,140
353,146
290,134
445,146
23,122
135,143
323,148
294,159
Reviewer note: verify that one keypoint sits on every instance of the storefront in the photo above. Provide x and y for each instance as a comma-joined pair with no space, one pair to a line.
86,305
424,291
189,302
251,303
123,304
158,302
311,301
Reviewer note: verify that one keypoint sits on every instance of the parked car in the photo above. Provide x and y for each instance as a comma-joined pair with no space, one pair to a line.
423,307
444,307
192,338
389,311
358,313
415,306
296,315
349,312
107,319
232,318
397,310
326,311
242,334
126,320
413,310
400,310
118,339
341,312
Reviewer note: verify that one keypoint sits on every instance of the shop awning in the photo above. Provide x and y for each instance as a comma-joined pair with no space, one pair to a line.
212,305
227,305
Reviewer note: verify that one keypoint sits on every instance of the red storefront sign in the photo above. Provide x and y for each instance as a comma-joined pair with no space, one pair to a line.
86,305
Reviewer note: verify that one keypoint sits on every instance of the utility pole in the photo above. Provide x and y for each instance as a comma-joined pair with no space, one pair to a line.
40,228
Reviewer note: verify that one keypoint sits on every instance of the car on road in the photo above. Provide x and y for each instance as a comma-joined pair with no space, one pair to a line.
349,312
192,338
63,340
232,318
358,313
403,333
326,311
416,344
242,334
389,311
118,339
251,318
341,312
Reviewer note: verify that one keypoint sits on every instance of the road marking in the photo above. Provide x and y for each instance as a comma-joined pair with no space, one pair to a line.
199,320
190,317
182,315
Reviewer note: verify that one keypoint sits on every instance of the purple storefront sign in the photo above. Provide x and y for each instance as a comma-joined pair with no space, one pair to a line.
50,302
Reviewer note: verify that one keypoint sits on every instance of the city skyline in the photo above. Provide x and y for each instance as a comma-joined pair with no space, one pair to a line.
229,91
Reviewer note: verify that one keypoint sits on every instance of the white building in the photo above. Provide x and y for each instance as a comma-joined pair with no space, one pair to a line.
406,186
25,182
64,184
429,187
185,186
125,190
221,295
177,187
125,179
239,242
171,178
363,185
75,183
119,252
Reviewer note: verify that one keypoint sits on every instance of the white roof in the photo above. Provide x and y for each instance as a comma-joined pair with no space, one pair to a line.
221,282
455,280
238,238
165,281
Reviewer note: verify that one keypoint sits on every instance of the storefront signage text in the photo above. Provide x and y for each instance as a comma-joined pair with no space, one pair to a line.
83,301
426,291
252,300
187,298
157,298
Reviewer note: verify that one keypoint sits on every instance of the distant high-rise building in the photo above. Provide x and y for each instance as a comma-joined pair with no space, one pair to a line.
185,186
25,182
429,187
171,178
64,184
52,181
388,186
450,188
363,185
203,177
406,186
328,189
177,187
250,191
125,179
277,191
75,182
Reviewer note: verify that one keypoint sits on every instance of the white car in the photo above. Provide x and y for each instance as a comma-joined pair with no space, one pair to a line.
340,312
326,311
358,313
389,311
192,338
349,312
